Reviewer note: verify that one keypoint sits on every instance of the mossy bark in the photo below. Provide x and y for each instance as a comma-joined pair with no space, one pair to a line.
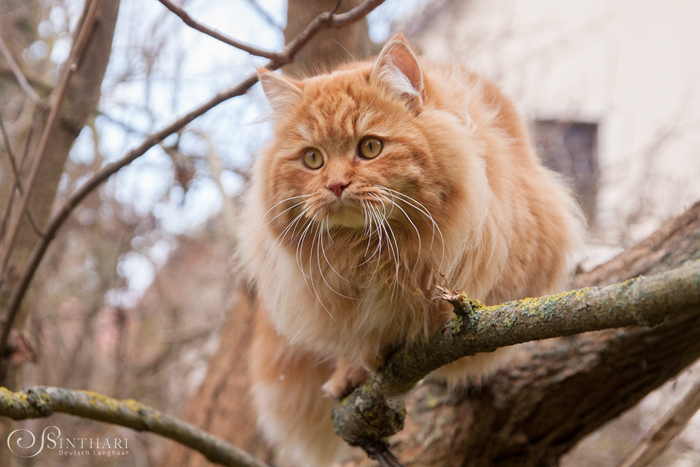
39,402
374,408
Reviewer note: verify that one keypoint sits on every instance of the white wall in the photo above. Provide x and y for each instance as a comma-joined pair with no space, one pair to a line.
631,65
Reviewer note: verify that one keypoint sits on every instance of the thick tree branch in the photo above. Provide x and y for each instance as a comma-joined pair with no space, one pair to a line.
374,411
41,401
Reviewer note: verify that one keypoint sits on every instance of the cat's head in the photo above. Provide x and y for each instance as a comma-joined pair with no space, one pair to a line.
348,147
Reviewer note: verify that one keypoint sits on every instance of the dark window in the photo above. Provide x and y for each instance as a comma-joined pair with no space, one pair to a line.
571,148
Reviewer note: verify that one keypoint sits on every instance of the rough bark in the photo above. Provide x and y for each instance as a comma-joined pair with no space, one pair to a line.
646,301
559,390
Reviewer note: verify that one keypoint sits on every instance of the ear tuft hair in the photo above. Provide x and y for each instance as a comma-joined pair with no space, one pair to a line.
282,93
397,67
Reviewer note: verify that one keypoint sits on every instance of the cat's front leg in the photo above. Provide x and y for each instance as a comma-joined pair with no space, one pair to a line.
344,379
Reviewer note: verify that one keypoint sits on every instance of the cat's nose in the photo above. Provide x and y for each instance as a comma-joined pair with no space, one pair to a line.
338,188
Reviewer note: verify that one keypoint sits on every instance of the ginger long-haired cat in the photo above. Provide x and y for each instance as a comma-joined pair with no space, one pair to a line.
379,177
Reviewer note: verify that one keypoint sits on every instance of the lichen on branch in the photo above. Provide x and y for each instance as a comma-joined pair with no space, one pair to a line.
42,401
645,301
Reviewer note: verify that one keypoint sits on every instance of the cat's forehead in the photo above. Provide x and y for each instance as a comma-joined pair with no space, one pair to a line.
340,105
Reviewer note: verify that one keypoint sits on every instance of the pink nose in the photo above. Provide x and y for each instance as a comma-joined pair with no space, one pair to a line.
338,188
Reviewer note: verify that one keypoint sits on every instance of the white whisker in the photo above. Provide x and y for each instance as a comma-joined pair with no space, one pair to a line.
418,206
274,206
320,269
414,228
313,286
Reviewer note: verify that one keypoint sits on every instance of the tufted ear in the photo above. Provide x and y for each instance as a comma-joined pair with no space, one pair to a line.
282,93
397,67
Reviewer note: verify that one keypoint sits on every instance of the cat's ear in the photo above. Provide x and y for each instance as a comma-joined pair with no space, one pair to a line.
282,93
397,67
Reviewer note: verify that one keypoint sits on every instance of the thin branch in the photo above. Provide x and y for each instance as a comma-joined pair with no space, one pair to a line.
325,20
16,183
194,24
23,83
42,401
75,54
59,217
265,15
375,410
11,199
336,6
665,431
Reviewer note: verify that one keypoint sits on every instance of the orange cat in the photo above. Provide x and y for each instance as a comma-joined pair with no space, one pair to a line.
378,176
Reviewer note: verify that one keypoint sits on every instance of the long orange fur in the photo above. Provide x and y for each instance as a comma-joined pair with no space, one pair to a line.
456,189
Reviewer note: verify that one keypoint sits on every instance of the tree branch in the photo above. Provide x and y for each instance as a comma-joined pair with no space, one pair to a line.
194,24
21,79
325,20
375,410
16,183
42,401
665,430
264,14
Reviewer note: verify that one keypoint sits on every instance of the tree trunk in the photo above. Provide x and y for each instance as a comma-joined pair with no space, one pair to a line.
331,46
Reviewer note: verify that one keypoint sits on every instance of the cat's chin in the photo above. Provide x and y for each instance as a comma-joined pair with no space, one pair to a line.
346,220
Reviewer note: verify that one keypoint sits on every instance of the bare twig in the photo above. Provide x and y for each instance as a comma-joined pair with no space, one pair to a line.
42,401
265,15
323,20
11,199
326,20
375,410
336,6
23,83
16,183
76,52
194,24
386,458
665,430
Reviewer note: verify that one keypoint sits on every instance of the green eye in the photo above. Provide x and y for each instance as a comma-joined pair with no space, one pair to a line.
313,159
370,147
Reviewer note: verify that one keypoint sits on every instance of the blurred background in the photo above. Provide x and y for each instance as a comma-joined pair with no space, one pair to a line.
135,291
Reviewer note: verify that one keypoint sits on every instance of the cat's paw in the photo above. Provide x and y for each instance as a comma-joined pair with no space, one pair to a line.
344,380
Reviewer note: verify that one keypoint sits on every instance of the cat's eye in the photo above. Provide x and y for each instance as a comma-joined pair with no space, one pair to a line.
313,158
370,147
